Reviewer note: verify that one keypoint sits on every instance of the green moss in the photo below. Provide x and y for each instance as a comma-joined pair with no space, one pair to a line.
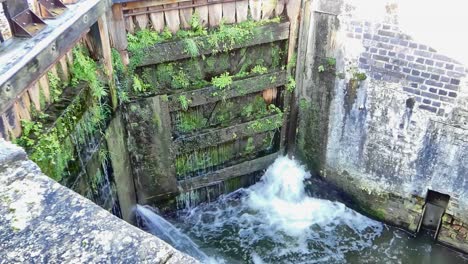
190,121
265,125
250,147
184,102
180,80
255,109
259,69
52,148
223,81
55,86
204,159
191,47
291,85
139,85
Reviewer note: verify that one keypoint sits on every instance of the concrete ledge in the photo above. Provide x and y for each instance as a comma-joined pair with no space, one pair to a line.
42,221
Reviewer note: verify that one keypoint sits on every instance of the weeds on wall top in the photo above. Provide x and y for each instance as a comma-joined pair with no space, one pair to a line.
52,148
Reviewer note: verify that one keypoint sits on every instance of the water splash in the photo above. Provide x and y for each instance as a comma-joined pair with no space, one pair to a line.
160,227
275,221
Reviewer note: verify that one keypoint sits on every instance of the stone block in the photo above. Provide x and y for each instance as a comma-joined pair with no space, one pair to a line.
429,62
435,77
434,83
380,58
455,81
428,108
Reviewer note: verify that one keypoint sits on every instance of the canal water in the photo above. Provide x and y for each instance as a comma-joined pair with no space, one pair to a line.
278,221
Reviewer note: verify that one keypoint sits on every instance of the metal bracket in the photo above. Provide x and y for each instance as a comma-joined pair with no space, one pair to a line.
51,8
23,21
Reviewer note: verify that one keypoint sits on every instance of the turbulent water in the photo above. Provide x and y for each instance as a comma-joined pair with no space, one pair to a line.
276,221
160,227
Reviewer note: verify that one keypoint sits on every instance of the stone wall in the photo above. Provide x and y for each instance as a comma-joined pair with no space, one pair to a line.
42,221
396,120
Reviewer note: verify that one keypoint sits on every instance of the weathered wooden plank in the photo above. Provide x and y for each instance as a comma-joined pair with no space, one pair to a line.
255,9
3,128
242,10
175,50
279,7
44,87
215,14
228,173
185,14
141,20
26,60
157,18
172,18
155,176
34,95
129,24
202,12
293,8
149,3
120,159
238,88
268,7
64,73
107,58
220,136
270,94
229,12
23,106
13,121
116,21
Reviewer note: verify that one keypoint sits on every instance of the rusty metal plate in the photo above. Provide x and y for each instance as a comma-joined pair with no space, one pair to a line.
27,24
51,8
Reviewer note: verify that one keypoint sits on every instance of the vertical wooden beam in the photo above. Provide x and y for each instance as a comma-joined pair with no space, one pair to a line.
279,7
185,14
242,10
129,25
120,159
172,18
107,57
44,87
255,9
229,12
268,7
157,18
23,106
141,20
117,35
13,122
215,13
34,95
202,12
288,133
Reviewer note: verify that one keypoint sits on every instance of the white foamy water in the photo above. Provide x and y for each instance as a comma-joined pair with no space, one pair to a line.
275,221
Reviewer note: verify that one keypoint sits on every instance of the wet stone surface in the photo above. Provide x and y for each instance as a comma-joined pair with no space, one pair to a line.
42,222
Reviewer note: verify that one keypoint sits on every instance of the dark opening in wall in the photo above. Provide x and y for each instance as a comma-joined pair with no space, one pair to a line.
434,209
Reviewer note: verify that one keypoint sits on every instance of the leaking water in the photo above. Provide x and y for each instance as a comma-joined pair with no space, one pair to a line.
275,221
151,222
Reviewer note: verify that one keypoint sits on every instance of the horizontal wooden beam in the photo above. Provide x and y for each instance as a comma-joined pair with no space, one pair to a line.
132,4
238,88
243,168
176,50
220,136
23,61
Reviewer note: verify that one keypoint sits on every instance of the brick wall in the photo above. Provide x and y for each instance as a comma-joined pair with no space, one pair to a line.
395,135
390,55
